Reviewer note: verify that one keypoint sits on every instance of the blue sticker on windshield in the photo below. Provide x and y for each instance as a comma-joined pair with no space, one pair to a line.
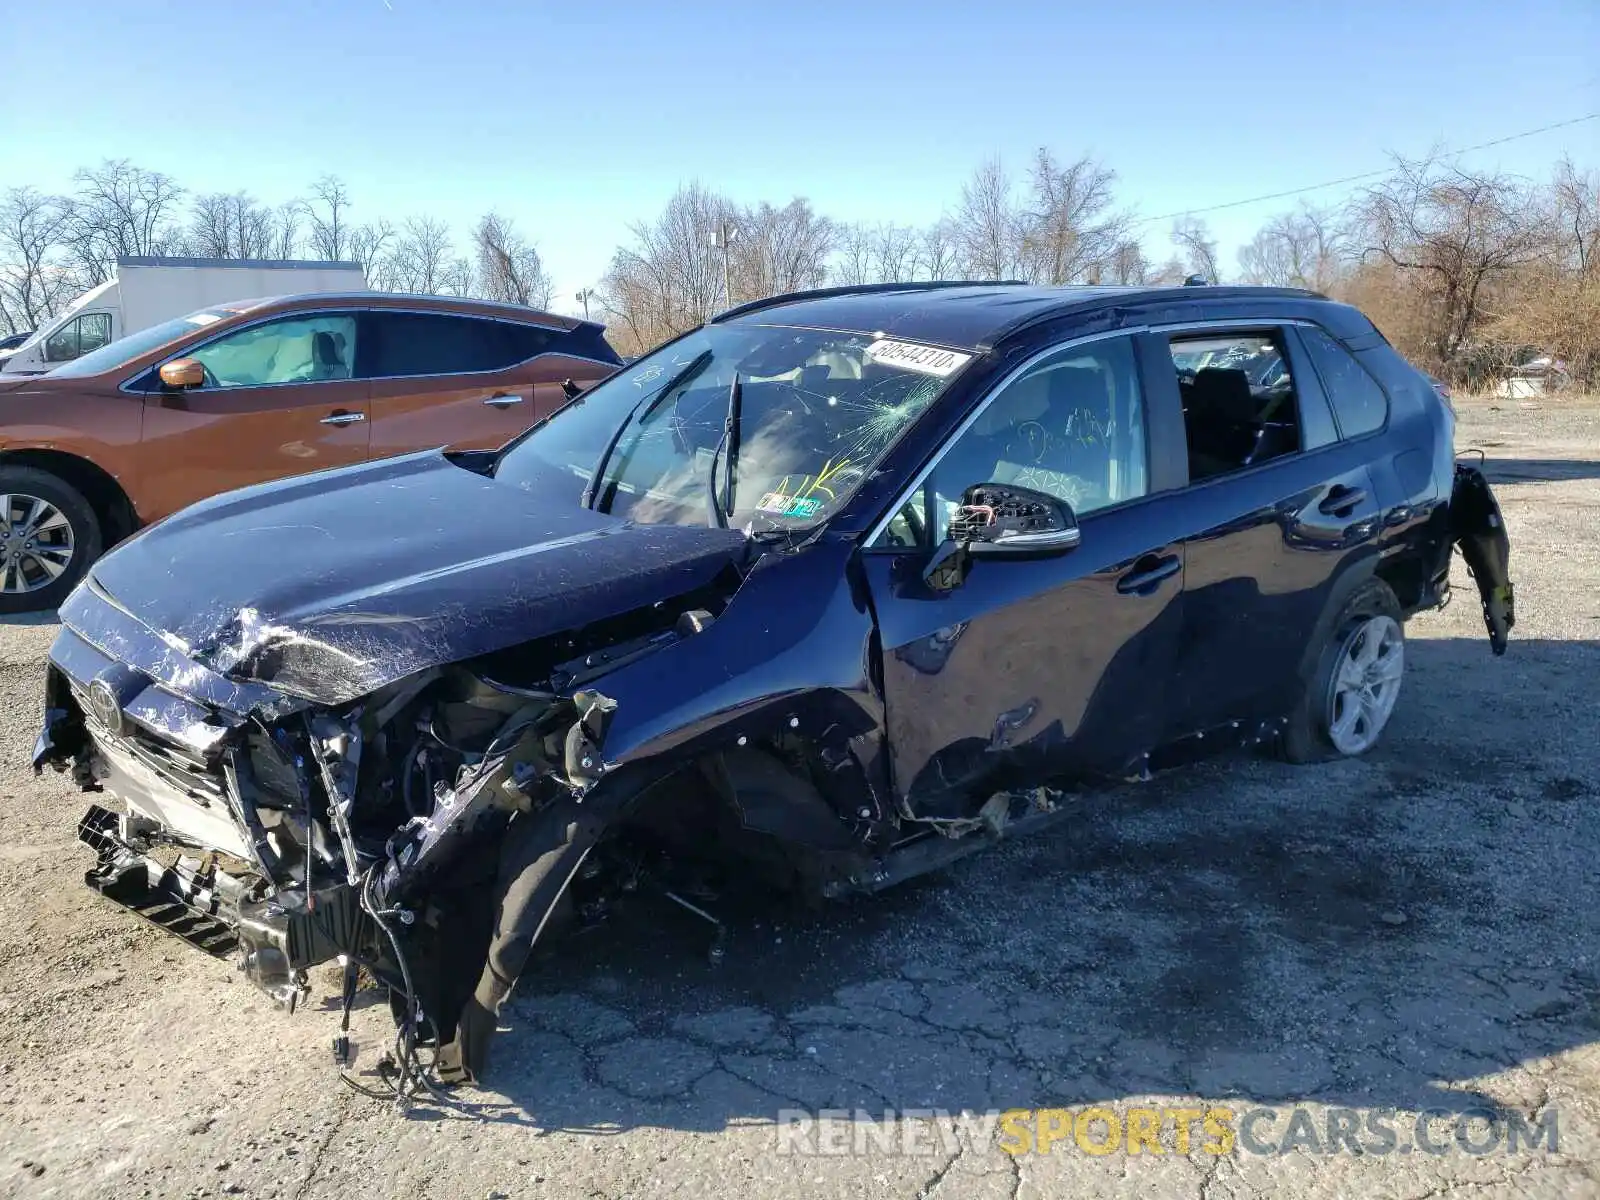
782,505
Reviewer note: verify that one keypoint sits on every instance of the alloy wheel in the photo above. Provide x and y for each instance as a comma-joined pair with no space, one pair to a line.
36,543
1365,684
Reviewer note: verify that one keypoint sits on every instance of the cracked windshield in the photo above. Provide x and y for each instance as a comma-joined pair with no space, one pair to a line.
751,426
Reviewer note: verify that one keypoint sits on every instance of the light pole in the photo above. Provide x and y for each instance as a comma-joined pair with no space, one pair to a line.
583,299
722,238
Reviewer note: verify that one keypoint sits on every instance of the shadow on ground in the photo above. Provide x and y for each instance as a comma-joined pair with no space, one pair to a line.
1376,933
1539,470
46,616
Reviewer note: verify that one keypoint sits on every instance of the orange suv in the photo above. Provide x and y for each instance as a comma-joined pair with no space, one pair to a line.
252,391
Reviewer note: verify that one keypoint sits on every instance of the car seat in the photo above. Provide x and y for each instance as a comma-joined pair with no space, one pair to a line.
1059,442
1220,419
327,356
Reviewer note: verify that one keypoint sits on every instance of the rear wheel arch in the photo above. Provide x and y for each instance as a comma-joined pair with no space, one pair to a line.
1355,576
1407,577
1305,737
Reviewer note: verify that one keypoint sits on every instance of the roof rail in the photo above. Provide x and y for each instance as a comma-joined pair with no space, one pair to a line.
861,289
1149,293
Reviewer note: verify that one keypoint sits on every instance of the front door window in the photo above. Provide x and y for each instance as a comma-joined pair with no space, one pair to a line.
1071,426
77,337
304,349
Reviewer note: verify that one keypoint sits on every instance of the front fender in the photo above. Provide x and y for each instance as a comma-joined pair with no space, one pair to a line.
792,654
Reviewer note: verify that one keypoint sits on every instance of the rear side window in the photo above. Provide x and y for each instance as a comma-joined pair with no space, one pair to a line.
403,344
1240,406
1359,404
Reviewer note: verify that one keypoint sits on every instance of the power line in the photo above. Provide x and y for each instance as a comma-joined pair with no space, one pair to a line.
1315,187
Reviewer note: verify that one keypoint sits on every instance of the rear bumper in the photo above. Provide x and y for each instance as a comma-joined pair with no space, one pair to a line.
1479,529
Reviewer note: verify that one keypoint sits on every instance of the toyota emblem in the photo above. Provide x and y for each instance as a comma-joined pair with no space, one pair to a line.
103,703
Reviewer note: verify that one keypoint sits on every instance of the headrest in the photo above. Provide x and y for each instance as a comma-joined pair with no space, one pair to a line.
1223,393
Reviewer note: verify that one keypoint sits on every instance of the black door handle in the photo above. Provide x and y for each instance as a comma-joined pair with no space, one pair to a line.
1342,501
1147,573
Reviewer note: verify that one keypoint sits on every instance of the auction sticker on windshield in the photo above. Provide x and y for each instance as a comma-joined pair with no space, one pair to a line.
926,360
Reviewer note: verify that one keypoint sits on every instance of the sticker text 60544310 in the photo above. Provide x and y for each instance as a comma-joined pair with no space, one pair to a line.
909,356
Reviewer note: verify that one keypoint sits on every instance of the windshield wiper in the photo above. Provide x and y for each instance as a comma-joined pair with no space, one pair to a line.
720,512
591,494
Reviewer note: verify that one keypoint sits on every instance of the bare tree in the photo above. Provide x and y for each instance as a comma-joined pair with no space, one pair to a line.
328,210
1305,249
1168,273
988,224
421,255
119,209
1453,233
853,262
370,246
230,226
35,280
285,236
1199,249
1068,231
509,267
460,278
1553,302
888,253
1575,199
1128,264
940,253
779,250
670,278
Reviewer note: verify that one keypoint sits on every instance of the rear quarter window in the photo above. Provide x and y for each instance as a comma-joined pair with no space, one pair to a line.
406,344
1359,403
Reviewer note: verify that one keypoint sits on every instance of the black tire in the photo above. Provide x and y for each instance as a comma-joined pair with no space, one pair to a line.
86,535
1305,737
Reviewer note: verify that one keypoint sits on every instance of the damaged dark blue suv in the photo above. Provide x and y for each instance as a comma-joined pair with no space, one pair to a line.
828,592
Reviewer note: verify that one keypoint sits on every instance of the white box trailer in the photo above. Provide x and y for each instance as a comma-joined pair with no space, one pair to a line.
146,291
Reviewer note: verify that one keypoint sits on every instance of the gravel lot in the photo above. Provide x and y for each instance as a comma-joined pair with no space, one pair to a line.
1417,930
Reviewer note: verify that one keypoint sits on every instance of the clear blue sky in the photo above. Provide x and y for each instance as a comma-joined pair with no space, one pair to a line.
576,118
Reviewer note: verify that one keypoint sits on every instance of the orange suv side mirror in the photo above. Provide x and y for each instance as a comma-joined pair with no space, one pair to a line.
183,373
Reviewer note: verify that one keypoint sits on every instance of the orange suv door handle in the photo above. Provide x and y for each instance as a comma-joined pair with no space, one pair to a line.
504,400
343,417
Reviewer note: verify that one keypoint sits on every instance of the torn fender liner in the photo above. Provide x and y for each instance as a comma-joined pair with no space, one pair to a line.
356,612
538,858
1479,529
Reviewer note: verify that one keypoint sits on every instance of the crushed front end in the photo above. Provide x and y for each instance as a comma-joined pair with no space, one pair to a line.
285,834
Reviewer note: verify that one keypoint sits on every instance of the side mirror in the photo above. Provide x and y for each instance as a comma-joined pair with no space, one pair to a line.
996,519
183,373
571,390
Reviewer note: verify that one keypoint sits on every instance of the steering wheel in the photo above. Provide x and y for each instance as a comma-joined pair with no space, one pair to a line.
210,380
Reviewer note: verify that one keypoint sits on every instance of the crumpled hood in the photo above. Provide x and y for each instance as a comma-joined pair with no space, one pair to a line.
328,586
